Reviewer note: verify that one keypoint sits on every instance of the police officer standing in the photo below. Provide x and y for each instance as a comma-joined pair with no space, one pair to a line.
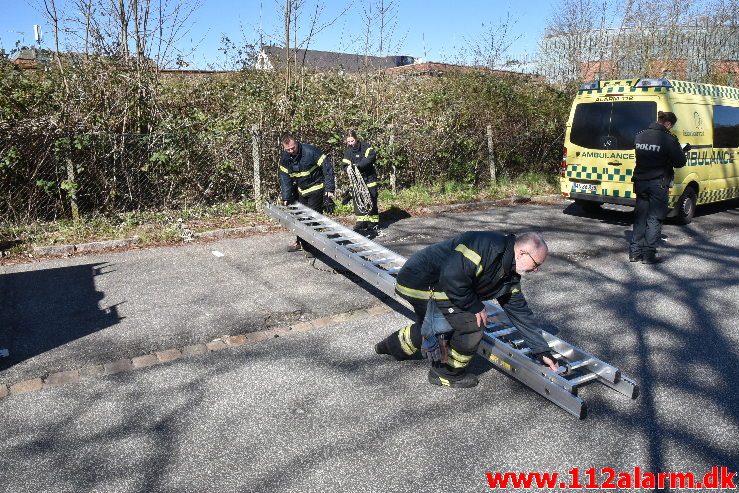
657,153
306,175
363,156
454,277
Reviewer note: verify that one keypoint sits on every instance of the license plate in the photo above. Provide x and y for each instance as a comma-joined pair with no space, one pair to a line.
585,187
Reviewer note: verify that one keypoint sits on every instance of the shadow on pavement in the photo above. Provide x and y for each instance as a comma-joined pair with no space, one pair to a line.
392,215
45,309
604,214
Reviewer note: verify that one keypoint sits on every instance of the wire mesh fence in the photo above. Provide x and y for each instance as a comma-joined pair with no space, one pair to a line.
46,176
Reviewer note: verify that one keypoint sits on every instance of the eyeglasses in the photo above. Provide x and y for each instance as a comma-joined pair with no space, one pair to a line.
536,264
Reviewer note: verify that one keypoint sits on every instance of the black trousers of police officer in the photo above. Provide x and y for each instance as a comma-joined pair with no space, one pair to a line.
651,210
463,340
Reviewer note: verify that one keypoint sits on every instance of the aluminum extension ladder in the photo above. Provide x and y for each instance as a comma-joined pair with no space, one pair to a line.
500,344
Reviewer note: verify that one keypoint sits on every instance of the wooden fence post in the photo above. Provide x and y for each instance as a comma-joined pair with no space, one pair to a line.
72,192
491,160
393,169
255,147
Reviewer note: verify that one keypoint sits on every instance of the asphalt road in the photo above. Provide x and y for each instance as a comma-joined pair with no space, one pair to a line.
319,411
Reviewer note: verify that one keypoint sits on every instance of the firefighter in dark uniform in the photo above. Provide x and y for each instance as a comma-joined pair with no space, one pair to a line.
363,156
306,175
657,153
458,275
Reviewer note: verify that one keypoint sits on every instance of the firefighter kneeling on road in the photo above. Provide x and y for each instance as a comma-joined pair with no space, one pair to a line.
363,156
453,278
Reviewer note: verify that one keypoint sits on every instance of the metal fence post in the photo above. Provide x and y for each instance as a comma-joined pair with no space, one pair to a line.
255,147
491,160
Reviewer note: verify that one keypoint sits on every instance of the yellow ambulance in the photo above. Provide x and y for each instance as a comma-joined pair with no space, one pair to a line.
598,157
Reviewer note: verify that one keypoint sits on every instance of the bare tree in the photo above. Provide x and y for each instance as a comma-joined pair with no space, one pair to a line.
53,15
685,38
490,48
292,20
575,40
287,20
380,20
140,30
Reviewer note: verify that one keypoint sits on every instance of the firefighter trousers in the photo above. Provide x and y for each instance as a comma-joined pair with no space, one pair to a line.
463,341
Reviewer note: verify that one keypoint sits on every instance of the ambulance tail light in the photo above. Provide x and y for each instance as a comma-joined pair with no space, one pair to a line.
563,166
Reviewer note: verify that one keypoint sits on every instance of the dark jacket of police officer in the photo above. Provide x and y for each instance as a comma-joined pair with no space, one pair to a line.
657,153
308,173
461,273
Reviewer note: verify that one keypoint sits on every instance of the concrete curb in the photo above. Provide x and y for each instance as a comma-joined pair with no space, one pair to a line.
95,246
98,246
165,356
515,199
225,233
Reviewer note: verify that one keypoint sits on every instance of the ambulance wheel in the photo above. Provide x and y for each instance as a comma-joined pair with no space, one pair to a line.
685,206
588,206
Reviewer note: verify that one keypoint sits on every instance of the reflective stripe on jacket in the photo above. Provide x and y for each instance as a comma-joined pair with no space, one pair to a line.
468,269
364,156
308,171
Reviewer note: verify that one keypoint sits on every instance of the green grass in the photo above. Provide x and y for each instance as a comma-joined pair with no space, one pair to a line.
164,227
418,196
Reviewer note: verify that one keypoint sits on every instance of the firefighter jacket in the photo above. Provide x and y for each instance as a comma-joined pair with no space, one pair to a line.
468,269
307,172
364,156
657,153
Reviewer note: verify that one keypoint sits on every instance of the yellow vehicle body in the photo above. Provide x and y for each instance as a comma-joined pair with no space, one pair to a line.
598,157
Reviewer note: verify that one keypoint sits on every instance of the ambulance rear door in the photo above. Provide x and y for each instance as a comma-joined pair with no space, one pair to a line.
602,141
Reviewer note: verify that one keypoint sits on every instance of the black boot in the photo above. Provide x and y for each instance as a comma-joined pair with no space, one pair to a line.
381,347
650,258
444,376
295,247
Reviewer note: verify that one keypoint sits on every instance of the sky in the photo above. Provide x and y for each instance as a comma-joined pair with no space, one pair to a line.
434,30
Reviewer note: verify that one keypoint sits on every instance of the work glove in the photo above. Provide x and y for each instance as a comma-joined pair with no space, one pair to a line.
540,357
328,204
346,198
434,349
430,348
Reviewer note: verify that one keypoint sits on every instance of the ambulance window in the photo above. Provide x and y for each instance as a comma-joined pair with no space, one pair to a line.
611,125
725,126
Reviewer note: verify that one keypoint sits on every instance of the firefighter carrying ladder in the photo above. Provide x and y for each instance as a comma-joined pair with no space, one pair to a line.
501,345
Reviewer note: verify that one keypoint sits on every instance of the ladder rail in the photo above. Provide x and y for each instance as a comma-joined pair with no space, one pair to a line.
349,259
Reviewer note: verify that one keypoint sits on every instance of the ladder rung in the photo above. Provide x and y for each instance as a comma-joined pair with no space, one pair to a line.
384,260
366,253
578,364
502,332
576,382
